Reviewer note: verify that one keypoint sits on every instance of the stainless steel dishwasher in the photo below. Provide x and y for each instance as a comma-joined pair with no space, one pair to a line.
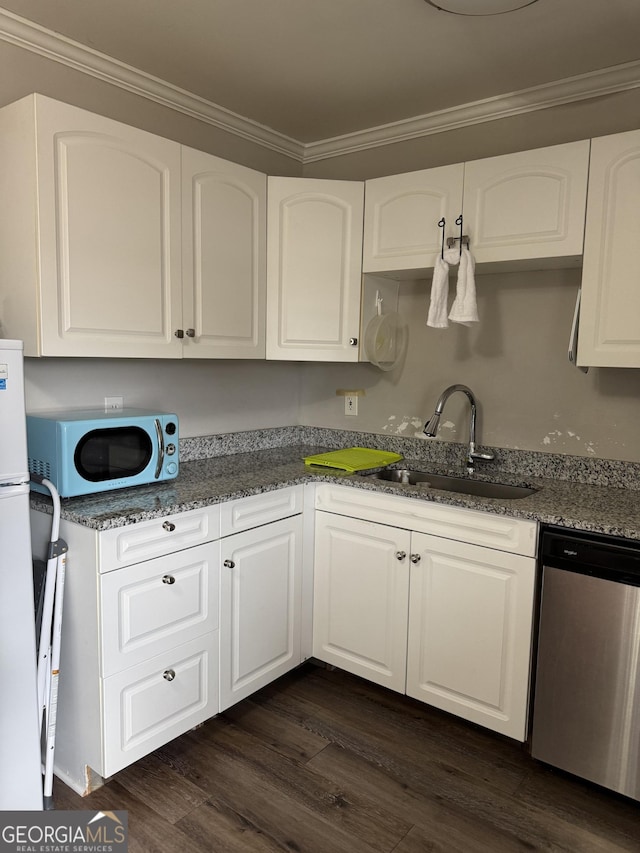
586,714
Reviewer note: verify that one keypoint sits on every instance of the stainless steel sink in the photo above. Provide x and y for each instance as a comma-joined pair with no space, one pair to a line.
480,488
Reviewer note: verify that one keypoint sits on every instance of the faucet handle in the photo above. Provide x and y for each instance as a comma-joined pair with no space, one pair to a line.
474,456
483,457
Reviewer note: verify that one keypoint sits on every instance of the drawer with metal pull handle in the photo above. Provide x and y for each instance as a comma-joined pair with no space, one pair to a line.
156,605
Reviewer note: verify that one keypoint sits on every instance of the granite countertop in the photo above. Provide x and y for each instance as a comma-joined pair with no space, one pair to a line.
201,482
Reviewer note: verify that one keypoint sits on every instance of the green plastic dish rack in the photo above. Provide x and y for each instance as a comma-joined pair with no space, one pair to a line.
353,459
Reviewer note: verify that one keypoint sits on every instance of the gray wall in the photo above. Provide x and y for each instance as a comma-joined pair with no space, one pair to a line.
515,361
209,396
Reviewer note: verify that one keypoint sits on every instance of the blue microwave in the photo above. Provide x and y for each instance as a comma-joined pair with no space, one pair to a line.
87,451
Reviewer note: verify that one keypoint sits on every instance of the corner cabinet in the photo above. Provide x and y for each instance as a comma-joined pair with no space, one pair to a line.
314,258
433,601
609,333
523,210
224,232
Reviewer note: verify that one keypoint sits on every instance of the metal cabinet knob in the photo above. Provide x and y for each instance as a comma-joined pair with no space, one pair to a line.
169,526
229,564
191,333
353,342
168,579
400,555
179,333
169,674
415,558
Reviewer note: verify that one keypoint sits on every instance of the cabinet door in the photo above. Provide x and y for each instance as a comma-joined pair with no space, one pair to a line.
314,258
224,232
609,333
470,625
109,221
260,607
360,598
401,218
528,206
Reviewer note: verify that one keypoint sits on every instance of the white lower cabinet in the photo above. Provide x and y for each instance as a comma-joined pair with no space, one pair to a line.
139,656
470,625
157,638
361,587
169,621
446,621
260,594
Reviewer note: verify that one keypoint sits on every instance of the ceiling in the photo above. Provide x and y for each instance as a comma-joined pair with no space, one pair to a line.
316,70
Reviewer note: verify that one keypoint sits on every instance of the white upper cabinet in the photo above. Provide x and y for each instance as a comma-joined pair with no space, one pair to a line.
117,242
224,236
90,233
401,218
519,210
609,334
314,257
528,206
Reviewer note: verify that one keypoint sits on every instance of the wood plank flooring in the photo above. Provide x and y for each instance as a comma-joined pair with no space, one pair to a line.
324,762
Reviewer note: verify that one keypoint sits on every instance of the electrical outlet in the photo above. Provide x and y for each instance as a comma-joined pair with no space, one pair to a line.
113,403
350,404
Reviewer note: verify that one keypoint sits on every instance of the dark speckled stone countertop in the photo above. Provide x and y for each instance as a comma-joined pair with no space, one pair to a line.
611,509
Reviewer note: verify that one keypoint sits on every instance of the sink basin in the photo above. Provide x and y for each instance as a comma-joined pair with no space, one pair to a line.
480,488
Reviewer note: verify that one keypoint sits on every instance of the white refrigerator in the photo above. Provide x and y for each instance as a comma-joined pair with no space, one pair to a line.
20,763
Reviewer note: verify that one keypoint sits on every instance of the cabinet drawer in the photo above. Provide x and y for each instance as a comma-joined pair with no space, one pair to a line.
143,707
156,605
253,511
515,535
136,542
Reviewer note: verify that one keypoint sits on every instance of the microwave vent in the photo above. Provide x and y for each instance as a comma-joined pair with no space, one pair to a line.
37,466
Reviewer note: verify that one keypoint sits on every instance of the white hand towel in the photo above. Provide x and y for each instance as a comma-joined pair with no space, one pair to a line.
464,309
437,317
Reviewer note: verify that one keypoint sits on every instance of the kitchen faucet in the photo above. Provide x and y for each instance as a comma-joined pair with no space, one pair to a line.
431,426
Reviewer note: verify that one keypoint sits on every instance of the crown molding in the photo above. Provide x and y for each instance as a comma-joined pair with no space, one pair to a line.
594,84
30,36
44,42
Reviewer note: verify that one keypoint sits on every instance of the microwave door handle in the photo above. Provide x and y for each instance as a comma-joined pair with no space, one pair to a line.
160,448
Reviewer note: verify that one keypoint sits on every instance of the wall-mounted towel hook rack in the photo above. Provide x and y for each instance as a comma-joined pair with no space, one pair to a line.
441,224
459,222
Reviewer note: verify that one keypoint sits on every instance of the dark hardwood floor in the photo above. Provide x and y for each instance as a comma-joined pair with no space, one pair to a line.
323,762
